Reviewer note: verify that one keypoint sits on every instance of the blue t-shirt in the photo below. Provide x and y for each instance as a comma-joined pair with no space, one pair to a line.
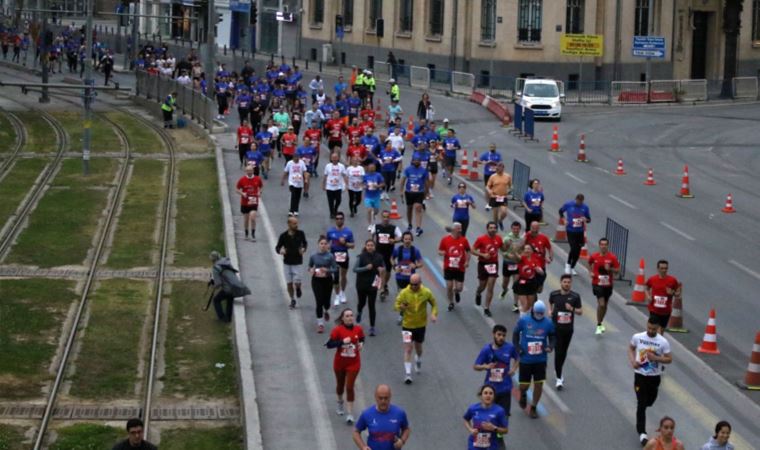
478,414
308,154
423,156
498,377
450,146
372,182
405,257
254,155
382,428
416,177
264,138
342,107
432,137
416,139
334,234
371,143
574,215
354,104
534,338
386,158
461,207
244,101
533,200
490,157
339,88
278,92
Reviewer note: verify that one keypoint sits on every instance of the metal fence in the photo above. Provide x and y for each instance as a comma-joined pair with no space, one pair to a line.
383,71
629,92
617,235
419,77
520,180
462,82
692,91
663,91
587,92
745,87
190,102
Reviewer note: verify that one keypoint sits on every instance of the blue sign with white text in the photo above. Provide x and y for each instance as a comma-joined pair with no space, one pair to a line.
649,46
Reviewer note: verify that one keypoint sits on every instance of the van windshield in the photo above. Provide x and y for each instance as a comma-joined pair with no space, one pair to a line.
541,90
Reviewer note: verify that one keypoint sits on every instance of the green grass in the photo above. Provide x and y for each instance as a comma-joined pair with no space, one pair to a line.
40,136
196,341
87,436
7,138
224,438
103,138
11,438
142,138
62,225
16,185
134,242
32,312
106,366
198,218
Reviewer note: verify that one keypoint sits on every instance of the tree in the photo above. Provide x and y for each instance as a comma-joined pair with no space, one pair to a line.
732,10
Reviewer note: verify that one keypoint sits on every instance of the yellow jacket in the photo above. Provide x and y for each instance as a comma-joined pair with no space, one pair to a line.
415,314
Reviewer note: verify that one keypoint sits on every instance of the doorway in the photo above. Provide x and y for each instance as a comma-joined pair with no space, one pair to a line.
699,38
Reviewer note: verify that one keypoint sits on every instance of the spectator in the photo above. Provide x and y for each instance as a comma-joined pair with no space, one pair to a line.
134,440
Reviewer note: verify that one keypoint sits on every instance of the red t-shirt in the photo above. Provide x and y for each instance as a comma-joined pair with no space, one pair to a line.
334,129
357,150
251,187
455,249
662,302
313,134
540,244
289,142
597,261
355,132
526,268
244,135
347,356
366,126
490,245
367,114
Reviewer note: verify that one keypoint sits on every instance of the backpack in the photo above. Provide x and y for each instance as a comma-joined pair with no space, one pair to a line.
231,283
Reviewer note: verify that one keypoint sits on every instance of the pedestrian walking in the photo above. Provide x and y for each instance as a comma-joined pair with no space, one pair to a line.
386,424
292,245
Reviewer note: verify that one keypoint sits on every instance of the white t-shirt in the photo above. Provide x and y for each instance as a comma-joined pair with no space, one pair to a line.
334,174
355,178
643,343
275,131
296,171
397,141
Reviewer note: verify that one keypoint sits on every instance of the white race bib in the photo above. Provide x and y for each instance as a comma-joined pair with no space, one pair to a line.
406,337
564,317
604,280
454,261
577,222
320,272
496,375
461,203
660,301
348,351
384,238
415,187
491,269
535,348
406,270
511,267
482,440
341,257
500,198
253,200
377,282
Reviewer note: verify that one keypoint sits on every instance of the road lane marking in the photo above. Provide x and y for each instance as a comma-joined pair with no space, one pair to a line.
602,169
677,231
744,268
491,133
552,159
470,141
618,199
579,180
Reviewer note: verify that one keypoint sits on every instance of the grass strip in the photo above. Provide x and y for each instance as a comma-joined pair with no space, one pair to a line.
103,138
16,185
196,343
223,438
40,136
7,138
198,218
134,241
106,366
11,438
32,312
190,141
87,436
141,138
62,225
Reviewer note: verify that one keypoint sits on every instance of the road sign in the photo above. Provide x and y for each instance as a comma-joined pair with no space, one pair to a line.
581,44
649,46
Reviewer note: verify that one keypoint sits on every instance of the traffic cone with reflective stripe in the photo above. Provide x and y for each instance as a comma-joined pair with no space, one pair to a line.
710,341
394,210
561,234
463,170
675,324
474,170
638,296
584,249
729,208
582,150
555,140
650,178
410,129
685,191
752,378
620,170
378,111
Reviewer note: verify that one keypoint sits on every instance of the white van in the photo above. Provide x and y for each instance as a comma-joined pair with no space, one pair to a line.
543,96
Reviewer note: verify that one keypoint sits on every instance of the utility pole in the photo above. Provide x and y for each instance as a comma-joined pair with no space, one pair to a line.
135,38
209,65
45,42
650,32
88,92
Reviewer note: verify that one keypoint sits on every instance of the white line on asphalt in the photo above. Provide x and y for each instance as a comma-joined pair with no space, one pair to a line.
601,169
677,231
579,180
744,268
618,199
552,159
491,133
470,141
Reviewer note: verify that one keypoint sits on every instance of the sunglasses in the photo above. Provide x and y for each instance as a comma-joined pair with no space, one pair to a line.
414,284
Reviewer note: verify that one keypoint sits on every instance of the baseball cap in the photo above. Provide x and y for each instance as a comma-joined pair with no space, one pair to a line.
539,307
392,80
446,120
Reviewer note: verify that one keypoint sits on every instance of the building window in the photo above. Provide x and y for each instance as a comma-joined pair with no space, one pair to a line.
756,20
317,12
641,18
348,13
529,21
435,17
488,20
406,14
375,12
574,17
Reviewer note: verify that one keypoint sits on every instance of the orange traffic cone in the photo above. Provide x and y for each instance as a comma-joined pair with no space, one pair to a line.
555,140
561,234
474,170
506,121
650,178
463,169
394,210
584,249
582,150
729,208
752,378
410,129
638,296
378,111
685,192
675,324
710,341
620,170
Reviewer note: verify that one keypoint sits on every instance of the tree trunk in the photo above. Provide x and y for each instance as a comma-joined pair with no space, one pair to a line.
731,26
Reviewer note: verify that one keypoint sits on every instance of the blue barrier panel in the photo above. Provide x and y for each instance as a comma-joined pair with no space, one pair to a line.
529,125
518,124
520,179
618,237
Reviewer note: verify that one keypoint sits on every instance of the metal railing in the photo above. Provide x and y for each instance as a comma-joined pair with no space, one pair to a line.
744,87
626,92
190,102
462,83
663,91
419,77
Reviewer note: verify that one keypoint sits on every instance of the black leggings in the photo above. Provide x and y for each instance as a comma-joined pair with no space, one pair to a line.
221,101
530,218
560,352
322,288
646,388
389,178
243,113
354,200
576,241
367,296
295,198
242,150
333,201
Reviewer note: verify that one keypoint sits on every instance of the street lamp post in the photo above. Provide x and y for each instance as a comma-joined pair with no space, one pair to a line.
88,92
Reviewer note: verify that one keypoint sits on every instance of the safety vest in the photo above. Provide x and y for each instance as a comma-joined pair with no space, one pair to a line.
168,104
395,92
370,82
360,80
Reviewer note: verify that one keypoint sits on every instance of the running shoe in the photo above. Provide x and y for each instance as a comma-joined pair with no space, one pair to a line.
253,239
515,308
327,316
478,299
572,271
343,298
408,379
410,227
418,232
349,419
298,291
336,301
295,213
339,410
603,328
503,294
523,400
417,365
359,318
567,269
533,413
487,312
457,296
451,307
399,320
320,329
559,384
643,439
371,331
599,330
305,195
292,304
488,207
449,182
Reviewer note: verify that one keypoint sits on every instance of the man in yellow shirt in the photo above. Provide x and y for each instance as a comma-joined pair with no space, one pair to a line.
412,301
498,187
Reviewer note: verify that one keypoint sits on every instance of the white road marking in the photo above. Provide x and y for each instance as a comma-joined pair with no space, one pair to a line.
552,159
618,199
470,141
579,180
677,231
602,169
744,269
492,132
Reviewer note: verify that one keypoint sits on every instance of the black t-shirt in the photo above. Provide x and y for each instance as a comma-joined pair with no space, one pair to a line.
388,232
292,244
563,318
144,445
365,279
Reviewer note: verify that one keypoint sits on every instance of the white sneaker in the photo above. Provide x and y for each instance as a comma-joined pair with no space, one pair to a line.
349,419
336,301
643,439
488,207
417,365
559,384
573,271
339,410
343,297
567,269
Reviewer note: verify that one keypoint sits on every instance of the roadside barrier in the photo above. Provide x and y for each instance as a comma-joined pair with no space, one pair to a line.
419,77
517,128
744,87
617,235
710,340
520,180
529,122
462,82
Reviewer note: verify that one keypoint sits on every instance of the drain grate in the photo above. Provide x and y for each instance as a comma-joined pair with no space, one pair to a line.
95,412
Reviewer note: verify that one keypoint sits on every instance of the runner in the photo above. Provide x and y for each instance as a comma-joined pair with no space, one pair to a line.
355,177
297,176
647,353
490,159
434,154
308,153
341,240
412,302
390,159
486,248
534,335
292,245
264,141
416,182
373,186
253,156
486,421
564,304
512,245
461,202
577,216
244,139
455,250
451,145
315,139
323,269
335,130
280,119
348,339
525,286
385,235
406,259
334,183
604,266
249,188
289,142
396,138
370,270
533,202
719,441
661,289
496,359
386,424
665,439
542,247
498,187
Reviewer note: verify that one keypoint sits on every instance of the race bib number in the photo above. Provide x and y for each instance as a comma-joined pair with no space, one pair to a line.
500,198
535,348
660,301
482,440
253,200
454,261
415,187
356,185
604,280
406,270
348,351
296,117
461,203
423,164
387,160
577,222
377,282
384,238
320,272
564,317
491,269
406,337
371,186
334,181
244,140
535,201
297,177
497,375
511,267
341,257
